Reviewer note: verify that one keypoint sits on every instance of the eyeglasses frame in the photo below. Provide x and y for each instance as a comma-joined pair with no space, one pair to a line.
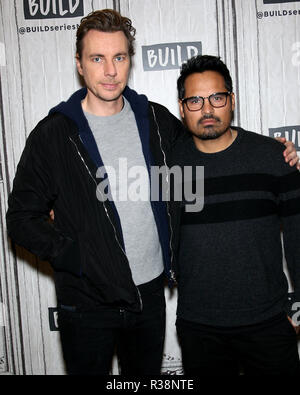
184,101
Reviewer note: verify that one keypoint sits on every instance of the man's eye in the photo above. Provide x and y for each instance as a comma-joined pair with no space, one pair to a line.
218,98
97,59
119,58
194,100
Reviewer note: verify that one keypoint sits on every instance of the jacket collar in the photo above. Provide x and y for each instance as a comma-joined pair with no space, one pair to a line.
73,109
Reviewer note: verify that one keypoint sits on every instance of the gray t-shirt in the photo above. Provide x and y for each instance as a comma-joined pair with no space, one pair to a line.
120,147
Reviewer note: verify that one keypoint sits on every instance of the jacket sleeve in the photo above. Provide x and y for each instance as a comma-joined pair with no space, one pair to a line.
33,195
175,132
178,132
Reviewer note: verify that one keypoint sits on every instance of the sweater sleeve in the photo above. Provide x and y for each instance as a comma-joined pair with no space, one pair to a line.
32,197
289,209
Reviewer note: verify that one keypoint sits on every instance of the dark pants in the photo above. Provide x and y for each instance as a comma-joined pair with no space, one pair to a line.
268,348
90,339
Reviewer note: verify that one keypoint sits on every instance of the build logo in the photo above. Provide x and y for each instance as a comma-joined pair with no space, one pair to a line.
291,133
280,1
46,9
169,56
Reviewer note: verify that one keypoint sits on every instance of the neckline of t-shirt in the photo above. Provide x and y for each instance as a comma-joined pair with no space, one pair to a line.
111,119
232,146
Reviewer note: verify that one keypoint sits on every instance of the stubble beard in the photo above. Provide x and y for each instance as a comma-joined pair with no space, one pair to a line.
108,99
210,133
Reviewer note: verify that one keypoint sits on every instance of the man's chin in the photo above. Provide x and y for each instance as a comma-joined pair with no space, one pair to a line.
210,133
110,98
209,136
107,95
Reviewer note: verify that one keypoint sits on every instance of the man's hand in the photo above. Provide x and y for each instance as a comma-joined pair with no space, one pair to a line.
290,153
51,215
295,326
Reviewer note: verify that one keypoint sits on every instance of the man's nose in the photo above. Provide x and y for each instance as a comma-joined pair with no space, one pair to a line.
110,69
207,107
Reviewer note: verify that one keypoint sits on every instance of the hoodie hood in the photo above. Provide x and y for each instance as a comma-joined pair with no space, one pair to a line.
73,110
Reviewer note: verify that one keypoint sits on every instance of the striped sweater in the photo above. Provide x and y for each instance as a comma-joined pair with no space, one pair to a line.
230,255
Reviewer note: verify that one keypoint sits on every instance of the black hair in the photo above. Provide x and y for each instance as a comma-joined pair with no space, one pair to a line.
199,64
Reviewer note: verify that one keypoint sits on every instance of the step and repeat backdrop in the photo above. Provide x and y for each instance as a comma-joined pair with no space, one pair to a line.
259,40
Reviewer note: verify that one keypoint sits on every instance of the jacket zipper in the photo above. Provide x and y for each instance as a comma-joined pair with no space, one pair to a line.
106,212
171,272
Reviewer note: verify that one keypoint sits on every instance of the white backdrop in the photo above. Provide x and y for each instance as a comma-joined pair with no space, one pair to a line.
258,39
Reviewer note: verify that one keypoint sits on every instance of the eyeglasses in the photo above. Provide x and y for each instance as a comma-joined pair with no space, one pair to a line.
217,100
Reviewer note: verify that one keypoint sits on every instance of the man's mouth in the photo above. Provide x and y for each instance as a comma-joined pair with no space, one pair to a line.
210,121
109,86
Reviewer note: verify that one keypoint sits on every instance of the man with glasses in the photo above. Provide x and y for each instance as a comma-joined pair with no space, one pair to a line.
234,309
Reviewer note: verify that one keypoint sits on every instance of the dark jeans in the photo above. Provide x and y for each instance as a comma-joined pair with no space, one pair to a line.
268,348
90,339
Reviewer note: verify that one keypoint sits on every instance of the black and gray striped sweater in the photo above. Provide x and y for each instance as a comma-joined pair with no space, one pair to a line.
229,255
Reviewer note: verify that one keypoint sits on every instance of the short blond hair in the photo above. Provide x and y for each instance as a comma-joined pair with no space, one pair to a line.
105,21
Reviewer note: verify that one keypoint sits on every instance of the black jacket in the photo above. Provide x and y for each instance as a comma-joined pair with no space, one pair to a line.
58,170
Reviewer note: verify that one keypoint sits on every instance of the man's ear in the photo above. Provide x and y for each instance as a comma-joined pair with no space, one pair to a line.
232,101
78,65
181,108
